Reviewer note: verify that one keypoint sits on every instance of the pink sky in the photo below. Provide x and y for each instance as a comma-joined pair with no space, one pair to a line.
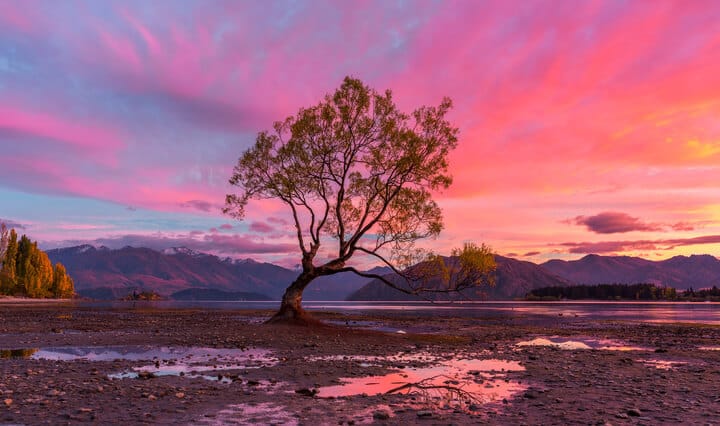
586,126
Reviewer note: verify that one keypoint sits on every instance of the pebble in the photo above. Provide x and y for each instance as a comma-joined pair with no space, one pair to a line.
381,415
8,402
634,412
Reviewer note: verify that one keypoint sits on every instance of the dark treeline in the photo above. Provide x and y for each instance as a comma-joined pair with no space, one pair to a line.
25,270
641,291
704,294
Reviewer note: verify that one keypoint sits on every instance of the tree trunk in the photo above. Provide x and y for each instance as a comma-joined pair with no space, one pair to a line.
291,311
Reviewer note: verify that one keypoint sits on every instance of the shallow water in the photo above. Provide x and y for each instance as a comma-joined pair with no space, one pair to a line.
661,364
250,414
648,312
17,353
191,362
457,383
580,343
180,354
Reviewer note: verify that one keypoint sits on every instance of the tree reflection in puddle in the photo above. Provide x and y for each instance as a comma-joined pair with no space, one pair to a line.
17,353
453,384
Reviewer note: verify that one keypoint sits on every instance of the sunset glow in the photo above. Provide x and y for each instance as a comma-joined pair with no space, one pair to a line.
586,126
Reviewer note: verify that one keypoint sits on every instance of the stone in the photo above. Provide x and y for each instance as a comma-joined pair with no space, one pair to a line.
8,402
381,415
180,395
634,412
306,392
424,413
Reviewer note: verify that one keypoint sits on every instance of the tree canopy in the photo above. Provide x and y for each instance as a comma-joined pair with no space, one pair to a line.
27,271
357,176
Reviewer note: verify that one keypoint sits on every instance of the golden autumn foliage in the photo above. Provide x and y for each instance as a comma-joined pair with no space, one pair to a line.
27,271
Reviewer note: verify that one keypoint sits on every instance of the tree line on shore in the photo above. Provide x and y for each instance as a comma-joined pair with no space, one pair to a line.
25,270
639,291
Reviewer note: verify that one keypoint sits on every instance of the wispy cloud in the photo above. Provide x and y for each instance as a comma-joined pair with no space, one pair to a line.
149,104
231,245
11,224
633,245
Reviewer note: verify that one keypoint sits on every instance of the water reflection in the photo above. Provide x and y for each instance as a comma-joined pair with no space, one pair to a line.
192,362
17,353
580,343
709,348
705,313
264,413
455,383
188,355
662,364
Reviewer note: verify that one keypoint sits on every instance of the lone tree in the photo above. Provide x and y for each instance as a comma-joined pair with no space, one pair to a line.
357,174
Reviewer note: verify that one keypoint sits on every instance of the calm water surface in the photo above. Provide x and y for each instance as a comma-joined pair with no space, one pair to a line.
652,312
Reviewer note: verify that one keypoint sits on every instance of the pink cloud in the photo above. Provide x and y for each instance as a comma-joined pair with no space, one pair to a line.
74,132
633,245
614,222
563,106
261,227
214,244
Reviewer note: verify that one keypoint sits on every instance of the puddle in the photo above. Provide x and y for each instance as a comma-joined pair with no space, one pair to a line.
369,325
192,362
709,348
661,364
265,413
17,353
458,384
167,354
581,343
206,363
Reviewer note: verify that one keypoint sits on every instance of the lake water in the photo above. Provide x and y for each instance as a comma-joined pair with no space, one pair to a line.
649,312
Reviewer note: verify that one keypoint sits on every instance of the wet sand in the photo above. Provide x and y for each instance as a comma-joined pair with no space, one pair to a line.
645,373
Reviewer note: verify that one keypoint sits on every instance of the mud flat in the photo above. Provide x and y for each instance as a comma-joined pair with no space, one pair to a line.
62,364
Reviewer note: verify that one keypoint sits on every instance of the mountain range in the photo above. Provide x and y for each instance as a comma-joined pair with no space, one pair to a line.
103,273
680,272
514,278
181,273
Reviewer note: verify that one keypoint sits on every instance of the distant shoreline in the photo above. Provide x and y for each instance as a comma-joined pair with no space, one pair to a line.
17,300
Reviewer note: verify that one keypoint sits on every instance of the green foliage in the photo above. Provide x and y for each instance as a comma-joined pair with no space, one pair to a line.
27,271
353,169
468,267
358,177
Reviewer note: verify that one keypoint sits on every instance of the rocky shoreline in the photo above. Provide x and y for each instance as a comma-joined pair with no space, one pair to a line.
655,373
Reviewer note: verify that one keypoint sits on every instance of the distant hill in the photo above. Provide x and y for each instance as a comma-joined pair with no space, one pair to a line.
103,273
339,286
680,272
514,279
